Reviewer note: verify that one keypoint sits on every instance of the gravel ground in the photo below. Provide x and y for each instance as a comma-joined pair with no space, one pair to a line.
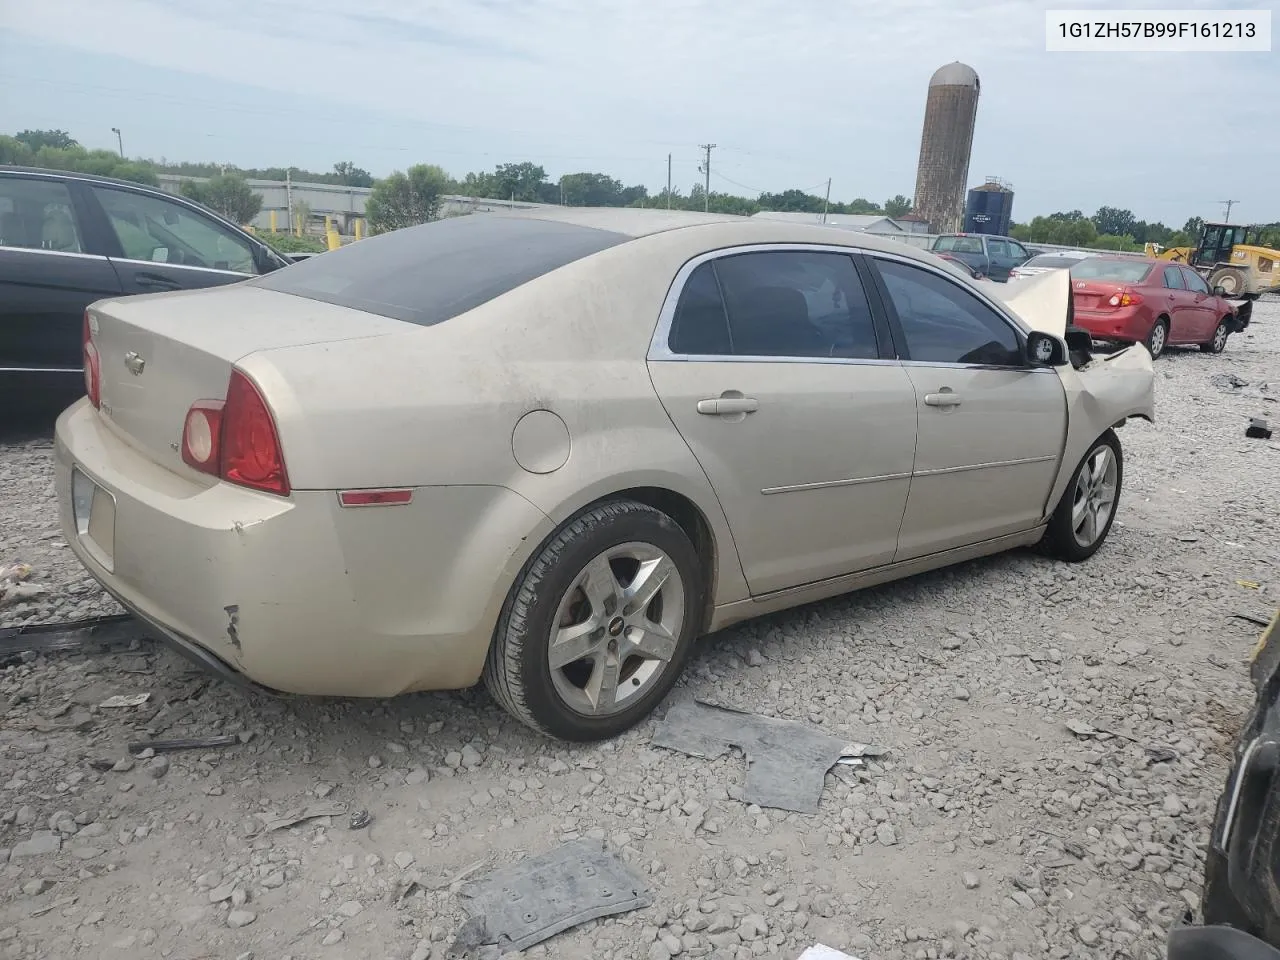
989,829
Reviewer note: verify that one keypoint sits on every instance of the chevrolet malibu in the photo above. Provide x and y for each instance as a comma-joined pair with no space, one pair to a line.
553,450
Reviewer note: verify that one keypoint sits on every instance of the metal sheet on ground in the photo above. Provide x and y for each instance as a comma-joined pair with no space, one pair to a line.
787,761
530,901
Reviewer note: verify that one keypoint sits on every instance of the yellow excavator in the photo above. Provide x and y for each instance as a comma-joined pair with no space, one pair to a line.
1228,256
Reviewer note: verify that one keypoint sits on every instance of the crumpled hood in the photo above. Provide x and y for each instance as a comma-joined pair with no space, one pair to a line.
1040,301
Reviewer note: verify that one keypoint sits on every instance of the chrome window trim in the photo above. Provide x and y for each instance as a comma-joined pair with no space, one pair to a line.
54,253
660,350
41,369
182,266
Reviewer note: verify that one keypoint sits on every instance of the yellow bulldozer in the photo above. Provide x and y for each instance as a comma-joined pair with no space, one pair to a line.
1228,256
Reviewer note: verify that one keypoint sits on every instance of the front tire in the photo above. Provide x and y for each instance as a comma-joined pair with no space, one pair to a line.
599,625
1158,338
1087,509
1219,341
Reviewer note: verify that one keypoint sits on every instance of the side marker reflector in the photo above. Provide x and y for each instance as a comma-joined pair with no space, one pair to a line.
375,498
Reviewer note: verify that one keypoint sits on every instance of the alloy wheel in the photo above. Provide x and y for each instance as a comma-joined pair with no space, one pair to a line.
616,629
1094,496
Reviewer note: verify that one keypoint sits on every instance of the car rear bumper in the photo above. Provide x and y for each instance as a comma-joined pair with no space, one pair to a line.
1126,326
299,595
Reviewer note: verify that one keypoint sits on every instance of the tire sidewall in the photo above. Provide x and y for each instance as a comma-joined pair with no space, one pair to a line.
559,569
1151,337
1213,344
1061,532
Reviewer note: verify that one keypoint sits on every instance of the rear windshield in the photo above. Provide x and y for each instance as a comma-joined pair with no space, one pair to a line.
1121,271
1050,261
429,273
958,244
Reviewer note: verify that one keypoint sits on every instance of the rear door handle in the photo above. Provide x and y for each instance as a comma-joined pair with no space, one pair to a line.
155,281
944,399
728,406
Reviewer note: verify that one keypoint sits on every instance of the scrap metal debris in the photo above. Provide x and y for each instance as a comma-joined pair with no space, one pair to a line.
360,819
191,743
787,761
536,898
1251,618
314,812
1258,429
83,635
124,700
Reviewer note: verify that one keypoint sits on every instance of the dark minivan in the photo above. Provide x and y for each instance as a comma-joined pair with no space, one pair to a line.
68,239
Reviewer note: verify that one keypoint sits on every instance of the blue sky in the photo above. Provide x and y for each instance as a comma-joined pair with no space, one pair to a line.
793,91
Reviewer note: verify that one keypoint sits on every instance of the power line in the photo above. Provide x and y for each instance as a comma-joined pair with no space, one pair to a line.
1228,204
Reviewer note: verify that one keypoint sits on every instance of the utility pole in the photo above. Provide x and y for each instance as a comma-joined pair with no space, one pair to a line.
288,195
119,141
706,169
826,202
668,181
1228,204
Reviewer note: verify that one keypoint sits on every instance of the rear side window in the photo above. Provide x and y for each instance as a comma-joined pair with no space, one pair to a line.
38,215
1121,271
435,271
999,248
958,244
775,304
1173,278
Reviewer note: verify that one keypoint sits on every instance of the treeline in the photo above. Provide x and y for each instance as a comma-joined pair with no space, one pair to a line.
415,195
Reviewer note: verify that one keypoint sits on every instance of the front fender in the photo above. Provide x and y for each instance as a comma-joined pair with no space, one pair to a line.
1103,394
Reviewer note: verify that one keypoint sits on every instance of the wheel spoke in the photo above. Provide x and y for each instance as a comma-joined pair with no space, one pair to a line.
649,581
600,586
575,642
602,687
652,640
1088,529
1078,510
1101,460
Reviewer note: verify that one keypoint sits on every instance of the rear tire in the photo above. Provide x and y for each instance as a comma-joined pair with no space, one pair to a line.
1158,338
619,577
1219,341
1084,515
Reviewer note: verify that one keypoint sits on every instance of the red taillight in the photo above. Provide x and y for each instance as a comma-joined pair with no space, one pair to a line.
92,366
251,454
236,439
1125,298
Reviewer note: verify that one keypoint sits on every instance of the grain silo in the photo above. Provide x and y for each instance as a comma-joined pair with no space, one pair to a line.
943,172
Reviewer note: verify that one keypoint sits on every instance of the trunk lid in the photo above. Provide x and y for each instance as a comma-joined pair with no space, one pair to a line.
160,353
1094,294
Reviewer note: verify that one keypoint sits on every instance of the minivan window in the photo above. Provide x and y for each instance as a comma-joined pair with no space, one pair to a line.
434,271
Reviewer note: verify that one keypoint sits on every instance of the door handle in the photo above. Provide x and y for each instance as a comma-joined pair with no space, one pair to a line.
946,398
728,406
155,281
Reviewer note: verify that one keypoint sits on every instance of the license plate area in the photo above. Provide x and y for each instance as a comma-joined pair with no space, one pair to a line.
94,511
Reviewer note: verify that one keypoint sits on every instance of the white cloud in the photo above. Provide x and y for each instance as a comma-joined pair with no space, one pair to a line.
794,91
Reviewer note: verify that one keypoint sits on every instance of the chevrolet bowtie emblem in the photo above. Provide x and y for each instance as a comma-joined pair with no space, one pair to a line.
134,362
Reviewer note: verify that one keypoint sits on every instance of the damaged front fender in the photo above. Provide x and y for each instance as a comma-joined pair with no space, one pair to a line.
1104,393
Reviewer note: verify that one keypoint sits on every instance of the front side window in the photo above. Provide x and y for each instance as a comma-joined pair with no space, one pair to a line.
1018,249
999,248
775,304
37,215
1173,278
944,323
161,231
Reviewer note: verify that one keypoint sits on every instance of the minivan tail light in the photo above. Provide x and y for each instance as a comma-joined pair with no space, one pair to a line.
236,439
250,444
92,364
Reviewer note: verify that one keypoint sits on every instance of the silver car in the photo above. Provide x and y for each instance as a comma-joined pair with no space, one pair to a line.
1044,262
553,450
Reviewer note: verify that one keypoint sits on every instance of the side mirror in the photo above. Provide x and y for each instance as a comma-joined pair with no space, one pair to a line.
1044,350
1219,290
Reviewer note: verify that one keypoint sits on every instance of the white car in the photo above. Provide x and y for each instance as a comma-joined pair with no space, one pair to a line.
553,450
1044,262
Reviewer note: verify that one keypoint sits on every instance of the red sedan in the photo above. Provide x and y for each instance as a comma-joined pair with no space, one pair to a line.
1154,302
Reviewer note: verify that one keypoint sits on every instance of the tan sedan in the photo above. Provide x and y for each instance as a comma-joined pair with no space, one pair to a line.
551,451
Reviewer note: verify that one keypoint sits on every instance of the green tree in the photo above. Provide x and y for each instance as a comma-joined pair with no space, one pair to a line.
897,206
860,205
790,201
590,190
1114,221
35,139
519,181
228,194
14,151
406,199
352,176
